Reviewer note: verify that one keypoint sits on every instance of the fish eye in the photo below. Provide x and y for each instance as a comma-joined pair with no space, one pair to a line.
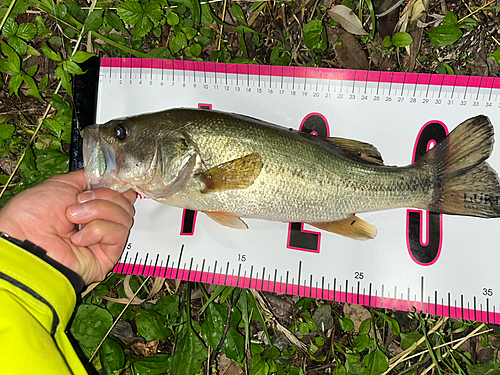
120,131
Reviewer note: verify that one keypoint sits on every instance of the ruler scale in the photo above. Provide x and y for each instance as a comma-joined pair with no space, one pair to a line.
438,264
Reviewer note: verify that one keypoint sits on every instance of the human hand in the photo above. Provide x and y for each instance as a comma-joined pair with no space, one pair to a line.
49,213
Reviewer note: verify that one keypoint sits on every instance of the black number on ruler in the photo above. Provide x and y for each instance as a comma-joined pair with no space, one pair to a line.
359,275
297,238
425,253
487,292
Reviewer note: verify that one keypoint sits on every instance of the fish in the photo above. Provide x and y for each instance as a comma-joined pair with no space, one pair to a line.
232,166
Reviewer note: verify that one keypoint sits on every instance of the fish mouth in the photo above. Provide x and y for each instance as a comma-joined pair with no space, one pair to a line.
100,161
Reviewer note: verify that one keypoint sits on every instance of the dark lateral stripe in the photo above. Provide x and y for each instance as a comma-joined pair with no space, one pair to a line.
27,289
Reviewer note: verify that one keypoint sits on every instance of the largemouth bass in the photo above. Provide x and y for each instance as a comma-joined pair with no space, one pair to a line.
231,167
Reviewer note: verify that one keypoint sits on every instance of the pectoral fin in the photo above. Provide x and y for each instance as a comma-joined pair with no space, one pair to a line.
359,150
235,174
352,227
227,220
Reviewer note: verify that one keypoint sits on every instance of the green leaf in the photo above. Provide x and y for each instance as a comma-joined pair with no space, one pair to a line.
444,35
91,324
151,325
114,21
450,19
346,324
244,29
391,321
60,11
112,356
154,365
172,18
402,39
376,362
360,343
189,32
190,354
10,27
490,368
14,84
140,16
193,50
33,89
6,132
81,56
496,55
387,42
213,328
43,32
167,306
33,52
237,13
177,42
315,36
53,126
408,339
75,10
365,327
339,370
93,21
51,162
56,56
57,102
161,53
71,67
19,45
14,61
65,78
468,23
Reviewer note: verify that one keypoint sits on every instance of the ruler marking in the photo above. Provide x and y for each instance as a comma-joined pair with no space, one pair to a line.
346,289
166,266
322,287
179,261
440,88
298,277
275,278
370,295
366,86
123,262
134,264
449,305
156,264
390,89
334,288
286,281
293,78
462,306
491,90
342,80
145,264
251,274
357,298
305,80
263,278
479,88
227,272
190,268
215,271
202,268
466,87
403,86
310,285
354,82
475,317
435,302
487,310
422,292
239,273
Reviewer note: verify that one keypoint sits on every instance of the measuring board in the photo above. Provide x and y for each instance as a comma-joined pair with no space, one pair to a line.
438,264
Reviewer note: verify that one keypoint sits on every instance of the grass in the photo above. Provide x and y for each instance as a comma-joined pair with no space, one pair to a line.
152,326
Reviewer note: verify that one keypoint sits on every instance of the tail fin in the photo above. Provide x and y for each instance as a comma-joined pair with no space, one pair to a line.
467,185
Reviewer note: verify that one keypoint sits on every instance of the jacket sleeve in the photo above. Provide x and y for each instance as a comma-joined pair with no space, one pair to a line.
36,303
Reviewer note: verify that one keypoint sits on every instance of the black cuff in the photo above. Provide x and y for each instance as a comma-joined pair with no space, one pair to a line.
72,276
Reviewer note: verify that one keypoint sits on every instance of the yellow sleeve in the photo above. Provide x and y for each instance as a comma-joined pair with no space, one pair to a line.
36,303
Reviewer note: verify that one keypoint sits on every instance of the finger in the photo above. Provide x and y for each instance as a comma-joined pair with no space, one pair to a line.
104,233
99,209
130,195
77,179
107,195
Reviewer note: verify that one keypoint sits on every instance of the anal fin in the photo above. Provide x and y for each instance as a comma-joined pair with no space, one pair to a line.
352,227
228,220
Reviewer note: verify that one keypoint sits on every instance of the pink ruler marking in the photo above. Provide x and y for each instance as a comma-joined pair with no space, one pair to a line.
293,289
304,72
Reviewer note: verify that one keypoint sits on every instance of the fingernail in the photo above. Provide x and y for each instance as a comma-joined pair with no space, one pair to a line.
78,210
86,196
75,238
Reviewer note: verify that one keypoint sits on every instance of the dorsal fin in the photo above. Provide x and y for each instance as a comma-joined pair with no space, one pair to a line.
358,151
